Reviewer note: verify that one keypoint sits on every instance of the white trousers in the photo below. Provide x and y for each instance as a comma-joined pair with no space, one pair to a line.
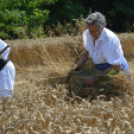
7,76
6,92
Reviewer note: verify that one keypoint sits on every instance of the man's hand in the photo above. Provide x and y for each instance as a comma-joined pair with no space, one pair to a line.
80,64
91,80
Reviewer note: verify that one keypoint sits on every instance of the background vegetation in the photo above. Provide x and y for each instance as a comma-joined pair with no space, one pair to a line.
33,18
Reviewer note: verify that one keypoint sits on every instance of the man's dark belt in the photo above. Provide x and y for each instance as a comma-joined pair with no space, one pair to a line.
3,62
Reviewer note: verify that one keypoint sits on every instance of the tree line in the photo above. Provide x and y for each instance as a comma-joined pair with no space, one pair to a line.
24,18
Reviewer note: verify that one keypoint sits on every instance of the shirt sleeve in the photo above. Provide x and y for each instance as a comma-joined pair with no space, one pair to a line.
5,53
85,40
112,51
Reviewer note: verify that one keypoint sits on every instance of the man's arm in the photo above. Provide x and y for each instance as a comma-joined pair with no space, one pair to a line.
92,79
114,67
83,60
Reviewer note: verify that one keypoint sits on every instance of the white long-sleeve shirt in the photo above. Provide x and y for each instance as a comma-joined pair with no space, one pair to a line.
107,48
7,74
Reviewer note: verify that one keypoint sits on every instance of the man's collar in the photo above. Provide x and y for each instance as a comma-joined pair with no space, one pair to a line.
103,35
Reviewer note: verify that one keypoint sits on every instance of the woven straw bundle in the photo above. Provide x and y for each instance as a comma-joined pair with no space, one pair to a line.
109,85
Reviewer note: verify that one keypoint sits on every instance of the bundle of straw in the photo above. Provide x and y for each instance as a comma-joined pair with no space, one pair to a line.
109,85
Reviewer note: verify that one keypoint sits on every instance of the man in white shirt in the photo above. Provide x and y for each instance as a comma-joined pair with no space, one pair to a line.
7,73
103,46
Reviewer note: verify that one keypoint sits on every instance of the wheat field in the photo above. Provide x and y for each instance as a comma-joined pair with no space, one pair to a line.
41,103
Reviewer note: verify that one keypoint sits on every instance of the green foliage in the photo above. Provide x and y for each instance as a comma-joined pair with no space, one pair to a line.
124,15
64,10
24,18
112,72
9,22
18,16
119,14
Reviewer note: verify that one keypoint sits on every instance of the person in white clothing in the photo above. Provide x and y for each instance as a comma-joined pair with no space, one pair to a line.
7,73
103,46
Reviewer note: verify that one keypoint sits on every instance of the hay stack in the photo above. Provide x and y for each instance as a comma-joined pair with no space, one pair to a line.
109,85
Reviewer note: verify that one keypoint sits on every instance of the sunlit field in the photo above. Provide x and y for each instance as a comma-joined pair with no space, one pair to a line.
46,102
